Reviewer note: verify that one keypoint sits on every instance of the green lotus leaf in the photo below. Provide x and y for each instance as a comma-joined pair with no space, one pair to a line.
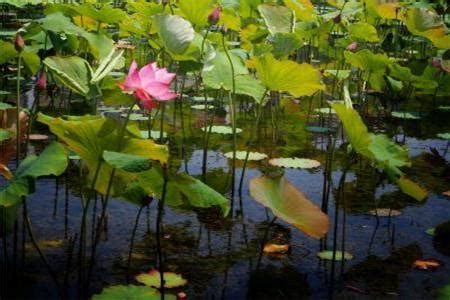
294,162
339,255
126,162
363,31
8,52
153,279
154,134
444,136
202,106
4,134
444,293
52,161
290,204
175,32
277,18
196,11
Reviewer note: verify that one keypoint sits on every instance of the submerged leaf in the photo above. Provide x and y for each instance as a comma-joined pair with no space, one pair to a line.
290,205
133,292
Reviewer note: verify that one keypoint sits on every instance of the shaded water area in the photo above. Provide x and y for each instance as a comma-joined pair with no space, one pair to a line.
221,257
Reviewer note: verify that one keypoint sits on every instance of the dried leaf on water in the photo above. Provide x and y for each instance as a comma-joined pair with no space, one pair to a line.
427,264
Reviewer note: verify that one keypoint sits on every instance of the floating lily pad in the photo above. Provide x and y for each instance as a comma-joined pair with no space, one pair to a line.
241,155
276,248
136,117
294,162
444,108
405,115
222,129
325,110
427,264
154,134
202,99
328,255
4,93
431,231
385,212
444,136
134,292
153,279
38,137
319,129
202,106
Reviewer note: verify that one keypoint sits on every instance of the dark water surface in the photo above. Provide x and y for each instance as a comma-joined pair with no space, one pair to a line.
221,257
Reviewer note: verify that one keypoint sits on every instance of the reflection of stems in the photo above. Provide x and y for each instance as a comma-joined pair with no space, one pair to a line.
133,234
19,65
158,232
105,203
264,240
36,246
233,117
252,139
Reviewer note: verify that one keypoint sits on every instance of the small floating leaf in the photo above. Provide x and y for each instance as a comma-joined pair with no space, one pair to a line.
431,231
427,264
276,248
318,129
222,129
153,279
202,106
405,115
294,162
444,136
134,292
154,134
325,110
328,255
202,99
385,212
241,155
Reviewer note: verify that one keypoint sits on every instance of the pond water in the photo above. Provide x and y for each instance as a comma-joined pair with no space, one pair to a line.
221,257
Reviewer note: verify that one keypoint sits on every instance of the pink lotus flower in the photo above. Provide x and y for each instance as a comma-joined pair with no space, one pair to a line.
352,46
214,16
148,84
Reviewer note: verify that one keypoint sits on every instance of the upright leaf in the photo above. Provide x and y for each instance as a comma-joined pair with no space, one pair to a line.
175,32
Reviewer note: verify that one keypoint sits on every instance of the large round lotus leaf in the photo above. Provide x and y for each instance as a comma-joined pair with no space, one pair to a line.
325,110
289,204
385,212
202,106
294,162
134,292
153,279
154,134
444,136
405,115
202,99
243,154
328,255
222,129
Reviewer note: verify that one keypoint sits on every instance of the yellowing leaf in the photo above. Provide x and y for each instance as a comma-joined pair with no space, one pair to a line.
304,9
288,76
290,205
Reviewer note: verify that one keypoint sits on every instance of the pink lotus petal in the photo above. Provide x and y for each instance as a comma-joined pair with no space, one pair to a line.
167,96
133,80
163,76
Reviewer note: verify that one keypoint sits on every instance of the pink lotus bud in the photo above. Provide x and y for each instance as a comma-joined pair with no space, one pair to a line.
214,16
41,83
352,46
436,62
181,296
337,19
19,43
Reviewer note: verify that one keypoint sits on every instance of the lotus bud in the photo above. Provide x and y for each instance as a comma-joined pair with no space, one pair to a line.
19,43
214,16
436,62
41,82
181,296
352,46
337,19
